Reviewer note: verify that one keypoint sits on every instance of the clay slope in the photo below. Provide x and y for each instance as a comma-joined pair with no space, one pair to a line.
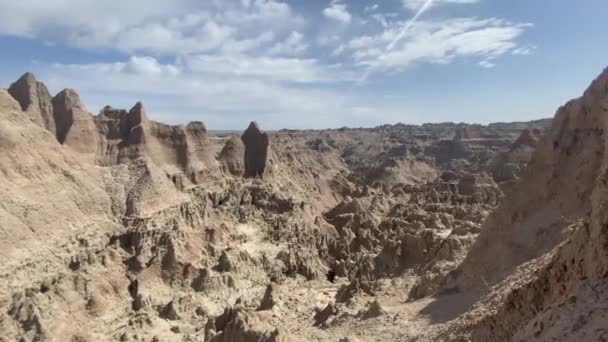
546,246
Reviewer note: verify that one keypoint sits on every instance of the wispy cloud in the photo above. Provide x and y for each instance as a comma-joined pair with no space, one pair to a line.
425,6
371,8
293,45
337,11
437,42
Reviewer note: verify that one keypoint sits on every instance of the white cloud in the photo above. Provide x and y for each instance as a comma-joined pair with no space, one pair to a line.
292,46
371,8
180,26
49,17
337,11
149,66
487,64
437,42
184,37
414,5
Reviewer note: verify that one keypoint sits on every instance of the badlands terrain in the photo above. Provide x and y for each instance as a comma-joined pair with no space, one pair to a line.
114,227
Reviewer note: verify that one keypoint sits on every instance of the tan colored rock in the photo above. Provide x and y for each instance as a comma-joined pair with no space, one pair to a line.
35,100
75,126
232,156
544,248
198,149
150,239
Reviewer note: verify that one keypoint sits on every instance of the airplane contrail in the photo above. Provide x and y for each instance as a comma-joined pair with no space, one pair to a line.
399,36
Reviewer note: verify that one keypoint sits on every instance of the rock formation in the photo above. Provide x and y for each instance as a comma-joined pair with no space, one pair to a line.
35,100
131,229
256,151
232,156
552,246
75,127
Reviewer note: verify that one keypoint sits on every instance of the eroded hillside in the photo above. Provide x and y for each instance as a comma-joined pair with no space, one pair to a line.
117,227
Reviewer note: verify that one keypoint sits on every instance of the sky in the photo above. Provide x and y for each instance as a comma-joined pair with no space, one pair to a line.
310,63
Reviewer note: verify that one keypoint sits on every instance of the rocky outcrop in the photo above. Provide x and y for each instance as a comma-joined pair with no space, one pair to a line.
35,100
123,135
232,156
198,151
544,248
118,136
75,126
256,151
184,153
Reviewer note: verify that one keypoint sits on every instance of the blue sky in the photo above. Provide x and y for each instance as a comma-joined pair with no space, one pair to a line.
311,63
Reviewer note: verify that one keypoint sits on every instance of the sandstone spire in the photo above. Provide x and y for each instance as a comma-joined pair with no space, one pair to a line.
134,125
256,151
